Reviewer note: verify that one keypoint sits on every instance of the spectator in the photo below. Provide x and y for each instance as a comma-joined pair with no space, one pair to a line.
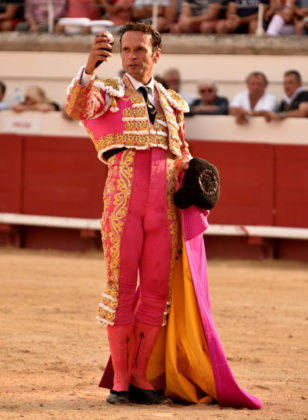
254,101
90,9
36,100
168,15
241,17
143,10
121,73
3,105
301,18
295,101
118,11
209,103
282,17
10,14
161,80
197,16
36,15
173,81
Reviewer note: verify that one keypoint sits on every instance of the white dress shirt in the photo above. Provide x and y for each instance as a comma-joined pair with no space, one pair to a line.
267,102
149,87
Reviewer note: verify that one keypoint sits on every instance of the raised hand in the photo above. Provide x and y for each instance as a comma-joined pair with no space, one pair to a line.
100,51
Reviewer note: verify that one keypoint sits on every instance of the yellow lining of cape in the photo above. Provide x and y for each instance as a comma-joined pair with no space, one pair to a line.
180,362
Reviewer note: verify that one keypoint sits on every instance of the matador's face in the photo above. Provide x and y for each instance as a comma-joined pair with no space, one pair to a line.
138,57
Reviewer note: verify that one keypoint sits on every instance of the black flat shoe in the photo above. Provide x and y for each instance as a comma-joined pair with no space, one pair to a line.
145,396
118,397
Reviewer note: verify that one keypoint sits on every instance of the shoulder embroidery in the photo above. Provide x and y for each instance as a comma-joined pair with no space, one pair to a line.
114,86
174,99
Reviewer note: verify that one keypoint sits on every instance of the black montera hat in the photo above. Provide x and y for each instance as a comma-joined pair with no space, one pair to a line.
200,186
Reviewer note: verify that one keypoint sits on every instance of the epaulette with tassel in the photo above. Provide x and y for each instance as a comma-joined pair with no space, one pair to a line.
115,89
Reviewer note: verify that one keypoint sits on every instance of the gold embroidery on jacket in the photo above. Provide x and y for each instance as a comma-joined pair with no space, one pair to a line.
84,102
173,226
138,131
111,82
116,199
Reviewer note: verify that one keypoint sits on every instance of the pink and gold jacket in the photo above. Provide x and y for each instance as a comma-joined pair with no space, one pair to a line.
115,115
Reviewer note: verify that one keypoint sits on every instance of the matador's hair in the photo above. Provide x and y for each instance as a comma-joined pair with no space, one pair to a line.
146,28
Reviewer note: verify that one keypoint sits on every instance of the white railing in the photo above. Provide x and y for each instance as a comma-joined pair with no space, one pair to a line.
94,224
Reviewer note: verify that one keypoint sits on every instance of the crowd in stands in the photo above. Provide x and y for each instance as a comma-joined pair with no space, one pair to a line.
34,99
3,105
255,101
280,17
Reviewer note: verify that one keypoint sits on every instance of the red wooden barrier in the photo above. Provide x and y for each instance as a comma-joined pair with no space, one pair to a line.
246,174
291,186
11,164
62,177
261,184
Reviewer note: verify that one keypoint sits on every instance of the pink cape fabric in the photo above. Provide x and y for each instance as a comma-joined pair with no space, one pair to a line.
194,222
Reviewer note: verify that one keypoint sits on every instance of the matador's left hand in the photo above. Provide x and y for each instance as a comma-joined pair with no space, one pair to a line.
179,166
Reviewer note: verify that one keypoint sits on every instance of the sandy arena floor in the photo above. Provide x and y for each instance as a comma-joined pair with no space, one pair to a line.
53,351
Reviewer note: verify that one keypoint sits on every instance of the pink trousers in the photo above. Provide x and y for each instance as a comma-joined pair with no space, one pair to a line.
145,241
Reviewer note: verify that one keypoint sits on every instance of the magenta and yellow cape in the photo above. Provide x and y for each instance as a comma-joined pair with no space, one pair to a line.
188,361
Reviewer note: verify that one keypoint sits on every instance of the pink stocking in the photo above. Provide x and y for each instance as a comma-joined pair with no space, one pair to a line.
144,339
119,337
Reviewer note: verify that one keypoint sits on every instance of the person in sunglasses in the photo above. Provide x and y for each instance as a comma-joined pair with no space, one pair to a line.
209,102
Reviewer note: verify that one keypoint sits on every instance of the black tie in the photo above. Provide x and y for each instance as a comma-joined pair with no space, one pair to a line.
151,108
